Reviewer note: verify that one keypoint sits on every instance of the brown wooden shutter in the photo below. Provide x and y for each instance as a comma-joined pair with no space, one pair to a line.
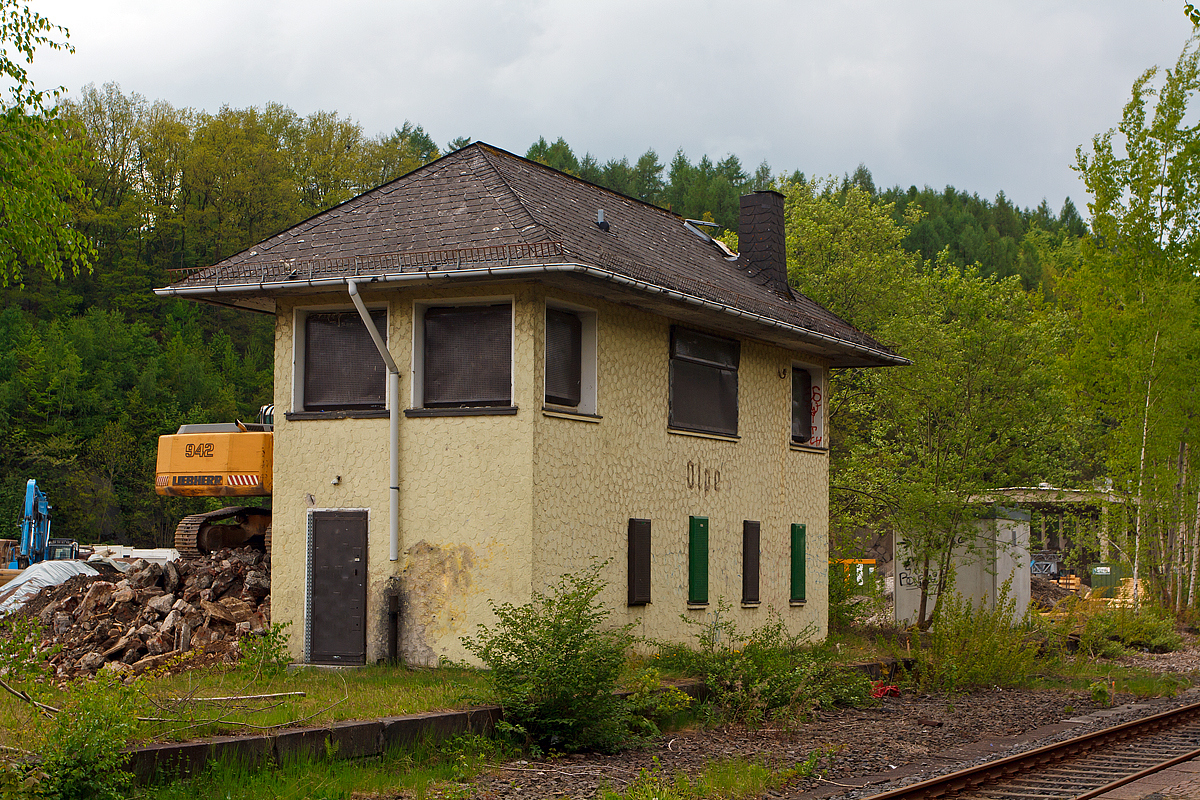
801,405
342,368
639,562
564,357
750,561
468,356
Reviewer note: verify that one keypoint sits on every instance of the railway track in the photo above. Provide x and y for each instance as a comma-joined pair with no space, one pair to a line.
1083,767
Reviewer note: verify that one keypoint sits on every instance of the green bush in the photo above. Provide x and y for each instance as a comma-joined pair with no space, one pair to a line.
554,667
969,647
653,705
766,673
1148,628
81,745
22,659
267,654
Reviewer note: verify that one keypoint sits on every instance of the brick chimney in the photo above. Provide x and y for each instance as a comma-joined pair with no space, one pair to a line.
762,247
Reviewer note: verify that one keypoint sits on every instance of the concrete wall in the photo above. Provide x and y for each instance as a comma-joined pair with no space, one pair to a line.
493,507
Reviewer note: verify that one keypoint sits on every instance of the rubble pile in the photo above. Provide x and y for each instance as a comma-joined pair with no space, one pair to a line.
1045,594
155,615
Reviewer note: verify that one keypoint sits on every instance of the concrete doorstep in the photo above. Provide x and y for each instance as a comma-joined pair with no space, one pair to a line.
350,739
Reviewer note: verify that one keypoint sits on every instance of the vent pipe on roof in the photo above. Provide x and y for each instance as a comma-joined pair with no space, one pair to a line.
393,394
600,221
762,246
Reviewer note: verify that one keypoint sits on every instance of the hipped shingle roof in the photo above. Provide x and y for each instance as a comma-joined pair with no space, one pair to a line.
481,213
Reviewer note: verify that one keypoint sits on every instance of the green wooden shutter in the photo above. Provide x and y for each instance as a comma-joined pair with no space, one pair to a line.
697,559
798,562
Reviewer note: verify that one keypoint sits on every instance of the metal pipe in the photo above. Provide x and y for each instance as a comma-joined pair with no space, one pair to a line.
815,337
393,423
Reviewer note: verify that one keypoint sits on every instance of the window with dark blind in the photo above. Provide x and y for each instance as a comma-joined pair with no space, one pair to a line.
801,405
703,382
564,357
639,562
342,368
467,356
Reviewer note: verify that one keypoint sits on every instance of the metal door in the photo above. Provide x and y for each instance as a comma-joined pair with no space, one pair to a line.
338,577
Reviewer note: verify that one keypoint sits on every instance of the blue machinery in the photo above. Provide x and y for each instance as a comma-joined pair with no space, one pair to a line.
35,529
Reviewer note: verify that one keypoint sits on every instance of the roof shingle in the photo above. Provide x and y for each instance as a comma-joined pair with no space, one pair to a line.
482,206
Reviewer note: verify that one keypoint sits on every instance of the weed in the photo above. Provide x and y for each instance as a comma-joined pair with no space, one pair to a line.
764,673
720,779
1102,693
267,654
970,647
22,657
554,666
651,704
81,745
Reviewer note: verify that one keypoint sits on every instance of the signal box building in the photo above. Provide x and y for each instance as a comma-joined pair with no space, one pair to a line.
582,378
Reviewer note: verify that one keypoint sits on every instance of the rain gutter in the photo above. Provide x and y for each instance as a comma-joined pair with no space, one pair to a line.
815,337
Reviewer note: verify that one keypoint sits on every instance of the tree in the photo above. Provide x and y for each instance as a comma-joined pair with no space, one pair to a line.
914,445
1136,306
37,186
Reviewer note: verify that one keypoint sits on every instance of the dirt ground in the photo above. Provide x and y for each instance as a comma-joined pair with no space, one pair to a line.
895,732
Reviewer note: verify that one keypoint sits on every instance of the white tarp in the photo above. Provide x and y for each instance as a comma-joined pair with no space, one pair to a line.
37,577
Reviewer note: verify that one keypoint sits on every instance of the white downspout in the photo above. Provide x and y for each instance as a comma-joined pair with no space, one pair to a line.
393,422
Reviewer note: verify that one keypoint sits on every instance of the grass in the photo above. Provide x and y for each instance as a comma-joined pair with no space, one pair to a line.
330,695
721,779
418,771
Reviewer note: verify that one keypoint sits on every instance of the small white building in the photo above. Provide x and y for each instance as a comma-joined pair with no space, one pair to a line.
999,552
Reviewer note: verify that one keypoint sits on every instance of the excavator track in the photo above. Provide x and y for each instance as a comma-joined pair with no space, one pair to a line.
187,533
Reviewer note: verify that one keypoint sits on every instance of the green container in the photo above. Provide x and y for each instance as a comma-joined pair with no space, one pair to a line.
1107,578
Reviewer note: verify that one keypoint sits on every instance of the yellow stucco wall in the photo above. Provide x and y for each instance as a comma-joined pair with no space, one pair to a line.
590,478
494,506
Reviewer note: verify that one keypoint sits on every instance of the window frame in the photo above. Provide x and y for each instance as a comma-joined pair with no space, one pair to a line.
588,363
417,362
818,438
672,358
300,315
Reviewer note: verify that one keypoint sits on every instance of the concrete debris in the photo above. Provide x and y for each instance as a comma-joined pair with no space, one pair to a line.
1045,594
154,614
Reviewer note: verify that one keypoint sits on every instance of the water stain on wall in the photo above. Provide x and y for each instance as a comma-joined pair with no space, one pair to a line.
434,579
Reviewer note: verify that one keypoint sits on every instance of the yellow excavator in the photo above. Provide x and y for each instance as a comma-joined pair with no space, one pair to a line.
219,460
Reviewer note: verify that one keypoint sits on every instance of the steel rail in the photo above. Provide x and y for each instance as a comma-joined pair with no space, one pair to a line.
1022,765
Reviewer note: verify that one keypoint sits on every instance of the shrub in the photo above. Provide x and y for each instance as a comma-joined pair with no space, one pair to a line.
81,746
554,667
1148,628
22,659
267,654
969,647
766,673
651,704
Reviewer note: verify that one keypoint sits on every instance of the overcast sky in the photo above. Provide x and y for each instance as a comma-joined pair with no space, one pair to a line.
984,96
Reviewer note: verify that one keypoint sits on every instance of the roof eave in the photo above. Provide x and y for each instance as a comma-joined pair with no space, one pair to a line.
846,353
